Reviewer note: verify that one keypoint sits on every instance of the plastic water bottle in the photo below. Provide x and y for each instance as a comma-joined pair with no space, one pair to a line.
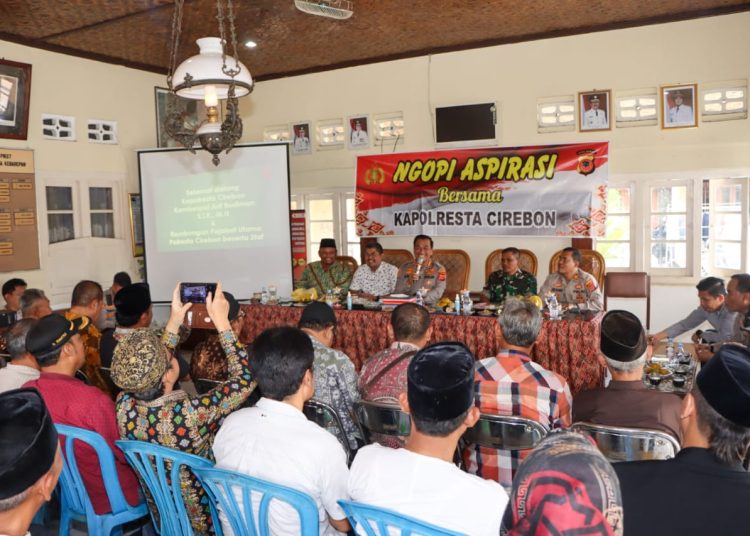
680,351
348,301
466,303
457,304
264,296
670,350
554,307
420,298
329,298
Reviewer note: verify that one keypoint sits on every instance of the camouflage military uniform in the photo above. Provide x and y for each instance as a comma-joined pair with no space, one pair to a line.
432,278
582,290
338,275
499,286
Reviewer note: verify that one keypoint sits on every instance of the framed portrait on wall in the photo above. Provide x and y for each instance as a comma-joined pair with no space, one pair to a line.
15,94
192,113
301,138
358,132
678,106
136,224
594,110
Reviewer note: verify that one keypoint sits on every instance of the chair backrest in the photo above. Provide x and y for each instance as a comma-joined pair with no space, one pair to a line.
527,261
325,416
381,418
458,265
397,257
351,261
505,432
366,516
619,444
591,261
629,285
233,493
159,470
75,497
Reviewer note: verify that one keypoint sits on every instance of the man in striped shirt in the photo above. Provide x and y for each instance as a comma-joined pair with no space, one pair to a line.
512,384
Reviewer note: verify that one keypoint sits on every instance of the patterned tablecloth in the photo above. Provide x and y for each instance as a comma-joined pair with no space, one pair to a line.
568,347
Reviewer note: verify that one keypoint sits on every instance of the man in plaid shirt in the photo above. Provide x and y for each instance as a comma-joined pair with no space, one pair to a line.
512,384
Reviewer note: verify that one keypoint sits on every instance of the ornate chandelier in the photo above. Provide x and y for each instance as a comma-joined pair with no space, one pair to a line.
207,77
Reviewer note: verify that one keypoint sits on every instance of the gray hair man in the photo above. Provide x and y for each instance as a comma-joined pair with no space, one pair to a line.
22,366
626,401
707,474
34,304
512,384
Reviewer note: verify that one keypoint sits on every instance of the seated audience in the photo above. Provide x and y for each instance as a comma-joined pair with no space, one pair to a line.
375,278
327,273
274,441
626,401
120,281
34,304
383,376
209,362
149,409
423,274
510,280
88,301
712,309
566,486
334,373
737,301
512,384
22,366
571,285
30,459
12,291
704,489
133,310
56,344
421,480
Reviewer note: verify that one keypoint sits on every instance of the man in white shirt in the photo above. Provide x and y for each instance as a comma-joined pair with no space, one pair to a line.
301,141
274,441
420,480
680,113
594,118
22,367
375,278
359,136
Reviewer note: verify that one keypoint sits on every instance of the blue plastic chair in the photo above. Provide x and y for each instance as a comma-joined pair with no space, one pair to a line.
220,483
159,470
76,504
365,516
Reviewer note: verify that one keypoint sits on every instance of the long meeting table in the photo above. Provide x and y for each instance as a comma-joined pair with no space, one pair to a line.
569,346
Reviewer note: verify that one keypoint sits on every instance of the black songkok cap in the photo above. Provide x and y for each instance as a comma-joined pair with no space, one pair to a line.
28,441
622,336
724,381
51,332
133,300
440,381
328,243
318,313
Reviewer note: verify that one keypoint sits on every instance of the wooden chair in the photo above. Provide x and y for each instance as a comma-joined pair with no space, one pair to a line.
397,257
629,285
527,261
592,262
620,444
350,261
458,265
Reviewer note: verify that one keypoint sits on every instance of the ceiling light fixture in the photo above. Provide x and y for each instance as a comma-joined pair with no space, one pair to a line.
210,78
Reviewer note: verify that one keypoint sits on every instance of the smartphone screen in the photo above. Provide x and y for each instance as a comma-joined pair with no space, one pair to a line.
196,292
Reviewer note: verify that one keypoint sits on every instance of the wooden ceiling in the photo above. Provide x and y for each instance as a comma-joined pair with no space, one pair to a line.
136,33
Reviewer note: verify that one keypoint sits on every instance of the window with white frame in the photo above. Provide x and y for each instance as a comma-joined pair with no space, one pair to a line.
60,222
725,250
668,249
102,214
615,246
329,215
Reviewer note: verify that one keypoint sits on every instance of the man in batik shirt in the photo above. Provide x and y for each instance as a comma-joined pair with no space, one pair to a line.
327,273
383,376
571,285
510,280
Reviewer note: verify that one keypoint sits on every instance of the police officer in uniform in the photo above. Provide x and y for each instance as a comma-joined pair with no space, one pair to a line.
572,285
423,273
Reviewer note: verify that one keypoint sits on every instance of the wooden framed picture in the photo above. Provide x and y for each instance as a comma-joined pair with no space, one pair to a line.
136,224
15,95
192,112
678,106
594,110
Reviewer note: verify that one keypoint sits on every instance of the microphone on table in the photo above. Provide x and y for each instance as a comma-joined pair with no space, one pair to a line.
420,262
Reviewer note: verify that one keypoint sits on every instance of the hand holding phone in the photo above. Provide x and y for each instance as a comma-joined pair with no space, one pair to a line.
196,292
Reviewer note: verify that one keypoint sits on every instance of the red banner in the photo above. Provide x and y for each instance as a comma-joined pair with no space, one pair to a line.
553,190
299,242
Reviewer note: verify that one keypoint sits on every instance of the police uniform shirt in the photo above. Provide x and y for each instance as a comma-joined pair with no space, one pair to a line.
432,278
582,290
